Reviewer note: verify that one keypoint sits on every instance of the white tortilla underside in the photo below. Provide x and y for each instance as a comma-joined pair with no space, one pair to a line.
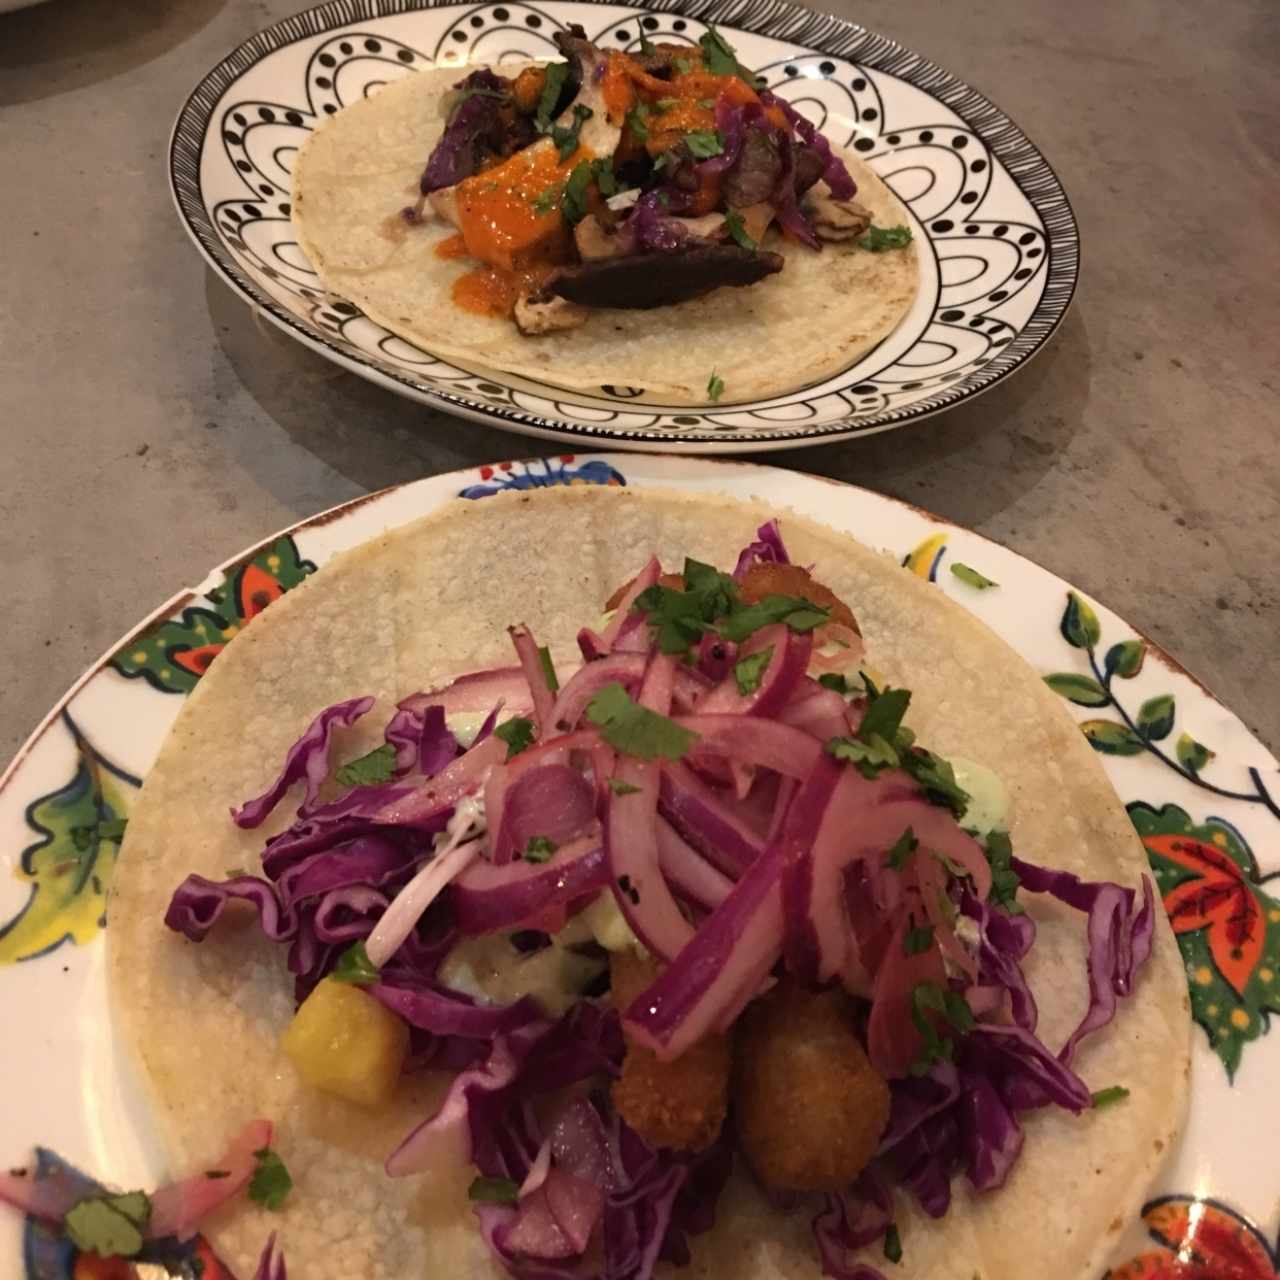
819,315
433,598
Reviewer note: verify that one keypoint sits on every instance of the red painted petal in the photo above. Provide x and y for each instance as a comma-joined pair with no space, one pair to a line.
257,590
197,660
1196,855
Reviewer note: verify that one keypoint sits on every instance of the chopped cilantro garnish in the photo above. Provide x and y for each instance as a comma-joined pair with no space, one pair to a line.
749,671
665,104
878,239
646,45
620,788
110,1226
517,733
834,680
930,997
271,1182
938,779
369,770
1004,879
635,730
548,199
870,757
565,136
557,74
539,849
682,66
602,172
893,1244
573,199
972,576
706,103
715,386
637,120
680,618
704,143
738,230
355,967
883,716
549,669
494,1190
1109,1097
903,847
918,940
721,58
798,614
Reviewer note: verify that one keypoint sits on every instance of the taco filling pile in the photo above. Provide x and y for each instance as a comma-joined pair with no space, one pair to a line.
702,899
584,219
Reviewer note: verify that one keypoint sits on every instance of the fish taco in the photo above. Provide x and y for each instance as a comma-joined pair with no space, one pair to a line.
654,219
601,885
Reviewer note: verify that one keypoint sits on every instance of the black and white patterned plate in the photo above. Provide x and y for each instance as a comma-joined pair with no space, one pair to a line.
999,247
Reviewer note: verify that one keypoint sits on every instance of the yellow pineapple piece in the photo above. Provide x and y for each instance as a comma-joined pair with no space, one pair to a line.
344,1042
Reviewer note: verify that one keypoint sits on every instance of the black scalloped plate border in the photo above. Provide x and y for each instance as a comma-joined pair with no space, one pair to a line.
824,33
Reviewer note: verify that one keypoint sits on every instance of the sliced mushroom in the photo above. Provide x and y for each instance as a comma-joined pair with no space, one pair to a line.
756,171
646,280
595,241
836,220
539,313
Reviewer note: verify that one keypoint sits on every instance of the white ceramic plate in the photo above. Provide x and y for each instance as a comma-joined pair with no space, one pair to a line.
999,248
1200,789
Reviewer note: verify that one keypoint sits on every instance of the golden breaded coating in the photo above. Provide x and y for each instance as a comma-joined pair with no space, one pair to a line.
680,1104
793,580
808,1106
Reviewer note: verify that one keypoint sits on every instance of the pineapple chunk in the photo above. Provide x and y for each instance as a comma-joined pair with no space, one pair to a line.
344,1042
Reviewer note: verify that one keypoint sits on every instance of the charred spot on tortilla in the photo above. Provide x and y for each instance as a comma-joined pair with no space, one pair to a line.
648,280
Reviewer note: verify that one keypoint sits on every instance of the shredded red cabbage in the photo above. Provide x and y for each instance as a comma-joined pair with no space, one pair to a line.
834,173
475,126
768,548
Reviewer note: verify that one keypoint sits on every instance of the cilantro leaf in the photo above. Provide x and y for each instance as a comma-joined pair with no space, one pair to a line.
271,1183
1109,1097
918,940
798,614
883,716
549,669
620,788
557,74
903,847
704,143
602,171
972,576
635,730
893,1243
355,967
565,136
573,200
637,121
539,849
517,733
938,779
930,997
738,230
749,671
369,770
110,1226
721,58
870,757
680,618
1004,879
494,1190
666,104
878,239
715,386
548,199
682,66
646,45
841,685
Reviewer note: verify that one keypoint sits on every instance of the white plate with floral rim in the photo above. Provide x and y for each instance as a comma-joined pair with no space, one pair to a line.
1000,250
1199,788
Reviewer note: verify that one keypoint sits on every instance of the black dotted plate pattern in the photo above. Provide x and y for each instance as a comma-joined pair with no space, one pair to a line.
997,237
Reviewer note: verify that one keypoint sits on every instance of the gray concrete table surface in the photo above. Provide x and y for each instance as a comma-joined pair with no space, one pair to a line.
151,427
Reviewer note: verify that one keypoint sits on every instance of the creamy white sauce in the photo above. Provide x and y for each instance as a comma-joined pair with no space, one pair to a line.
989,803
464,725
491,971
467,823
608,925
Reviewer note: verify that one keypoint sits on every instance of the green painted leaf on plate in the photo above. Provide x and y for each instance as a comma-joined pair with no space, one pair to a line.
1125,658
1155,717
1084,691
1193,755
1080,626
1112,738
